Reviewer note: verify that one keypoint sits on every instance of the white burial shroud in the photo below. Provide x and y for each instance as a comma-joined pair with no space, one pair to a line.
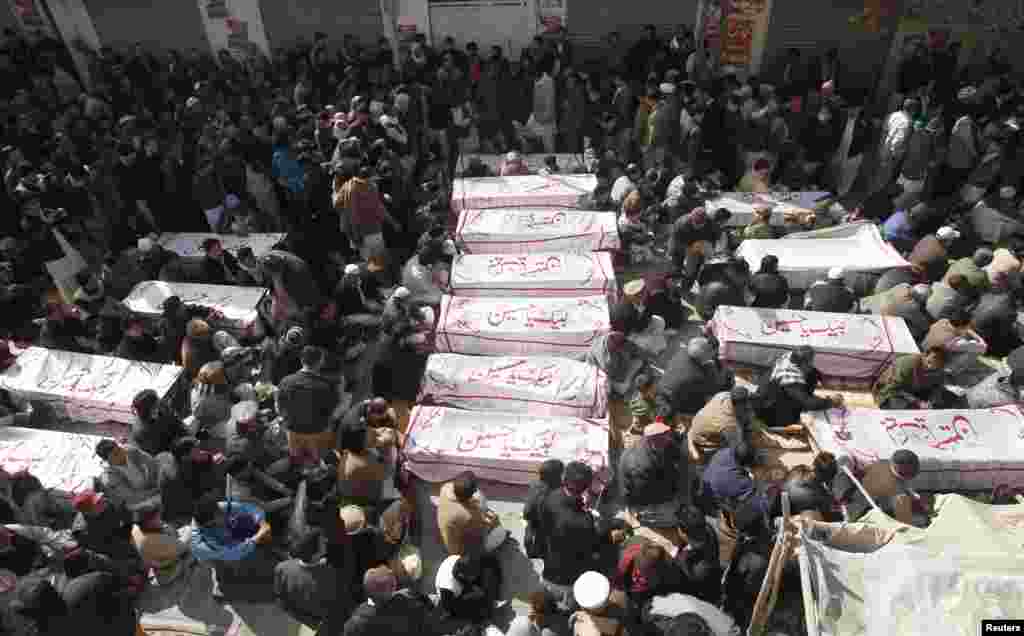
535,190
959,449
87,388
802,262
532,385
536,229
503,447
846,346
538,274
238,305
521,326
191,243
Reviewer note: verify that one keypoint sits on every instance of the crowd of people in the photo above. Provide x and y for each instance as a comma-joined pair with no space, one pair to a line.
281,464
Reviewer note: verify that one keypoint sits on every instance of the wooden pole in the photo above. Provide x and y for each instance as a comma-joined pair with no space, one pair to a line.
810,609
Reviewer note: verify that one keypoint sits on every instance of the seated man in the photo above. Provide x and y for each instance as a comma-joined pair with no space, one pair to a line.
133,477
949,296
693,375
155,430
961,343
469,585
912,381
307,401
728,479
644,328
728,411
831,295
387,610
162,549
65,329
887,481
226,543
425,275
655,474
810,489
910,303
768,288
995,318
972,269
103,526
306,585
1002,388
789,391
761,224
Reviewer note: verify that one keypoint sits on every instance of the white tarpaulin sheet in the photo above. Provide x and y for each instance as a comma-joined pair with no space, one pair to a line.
86,388
558,190
502,447
532,385
844,230
846,346
741,204
521,326
540,274
958,449
525,230
803,262
567,163
238,305
191,243
964,568
66,462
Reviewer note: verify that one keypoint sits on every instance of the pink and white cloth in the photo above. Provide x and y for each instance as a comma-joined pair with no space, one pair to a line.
536,229
741,204
65,462
87,389
502,447
526,385
540,274
847,346
958,449
521,326
238,305
535,190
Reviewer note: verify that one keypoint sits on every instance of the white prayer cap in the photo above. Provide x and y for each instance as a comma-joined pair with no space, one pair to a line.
947,233
836,273
351,269
385,120
145,244
921,291
592,590
449,248
1007,192
667,88
512,156
191,102
402,292
445,577
634,287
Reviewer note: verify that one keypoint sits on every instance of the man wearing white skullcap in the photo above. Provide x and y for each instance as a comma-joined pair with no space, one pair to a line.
930,256
831,294
592,591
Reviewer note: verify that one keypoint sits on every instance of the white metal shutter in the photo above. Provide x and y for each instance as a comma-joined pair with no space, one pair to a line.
166,24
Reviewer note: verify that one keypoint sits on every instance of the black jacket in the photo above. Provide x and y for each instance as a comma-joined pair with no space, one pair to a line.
649,476
685,387
769,290
572,539
403,613
832,296
307,402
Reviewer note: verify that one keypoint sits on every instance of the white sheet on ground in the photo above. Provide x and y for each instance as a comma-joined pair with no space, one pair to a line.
567,163
958,449
521,326
536,229
190,243
66,462
502,447
847,346
803,262
560,190
741,204
531,385
543,274
964,568
87,388
238,305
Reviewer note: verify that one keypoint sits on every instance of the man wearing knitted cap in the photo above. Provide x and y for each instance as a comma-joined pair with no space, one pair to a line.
888,482
692,376
831,295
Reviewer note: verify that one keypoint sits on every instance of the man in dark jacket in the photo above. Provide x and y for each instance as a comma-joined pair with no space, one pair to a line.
307,402
388,610
769,288
995,318
154,430
692,377
688,241
136,344
306,586
218,267
572,537
789,390
831,295
654,474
